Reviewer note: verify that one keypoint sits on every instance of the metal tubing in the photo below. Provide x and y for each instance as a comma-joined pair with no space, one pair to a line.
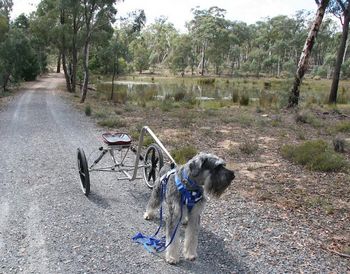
159,143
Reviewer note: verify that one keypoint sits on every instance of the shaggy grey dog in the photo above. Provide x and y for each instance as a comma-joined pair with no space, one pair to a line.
205,173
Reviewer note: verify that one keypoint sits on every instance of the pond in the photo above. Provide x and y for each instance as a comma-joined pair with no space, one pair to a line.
163,88
272,91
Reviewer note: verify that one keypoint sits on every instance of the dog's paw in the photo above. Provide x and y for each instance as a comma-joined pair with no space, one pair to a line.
190,257
148,216
171,260
185,221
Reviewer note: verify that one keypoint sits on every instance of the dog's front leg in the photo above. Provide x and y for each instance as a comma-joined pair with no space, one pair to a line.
173,216
191,233
153,203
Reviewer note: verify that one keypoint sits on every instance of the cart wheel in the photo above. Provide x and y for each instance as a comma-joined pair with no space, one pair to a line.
83,171
153,161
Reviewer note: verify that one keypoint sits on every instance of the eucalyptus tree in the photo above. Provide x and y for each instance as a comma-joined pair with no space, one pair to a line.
181,54
140,54
5,8
203,28
18,60
241,43
341,8
160,38
305,55
96,15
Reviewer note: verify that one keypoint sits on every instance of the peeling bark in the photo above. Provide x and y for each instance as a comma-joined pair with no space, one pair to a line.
305,55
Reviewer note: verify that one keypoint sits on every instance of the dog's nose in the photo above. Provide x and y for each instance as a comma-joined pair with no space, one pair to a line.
232,175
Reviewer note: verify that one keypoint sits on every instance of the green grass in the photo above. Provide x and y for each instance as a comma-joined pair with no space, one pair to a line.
315,155
206,81
343,126
308,117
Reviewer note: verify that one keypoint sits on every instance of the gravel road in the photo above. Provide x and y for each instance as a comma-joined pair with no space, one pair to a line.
48,226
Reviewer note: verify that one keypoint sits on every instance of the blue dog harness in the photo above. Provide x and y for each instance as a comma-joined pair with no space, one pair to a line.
188,198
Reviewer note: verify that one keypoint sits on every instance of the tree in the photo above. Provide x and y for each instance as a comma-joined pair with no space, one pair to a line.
96,14
342,10
6,7
140,54
180,56
18,59
203,28
304,58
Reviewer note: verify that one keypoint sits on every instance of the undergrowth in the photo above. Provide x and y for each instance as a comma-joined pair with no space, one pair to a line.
183,154
315,155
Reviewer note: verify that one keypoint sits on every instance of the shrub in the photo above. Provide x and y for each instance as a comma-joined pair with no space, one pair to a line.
235,96
179,96
244,100
166,105
183,154
307,117
88,110
206,81
315,155
248,147
112,122
343,126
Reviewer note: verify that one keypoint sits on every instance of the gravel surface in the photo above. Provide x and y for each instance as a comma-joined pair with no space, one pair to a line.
48,226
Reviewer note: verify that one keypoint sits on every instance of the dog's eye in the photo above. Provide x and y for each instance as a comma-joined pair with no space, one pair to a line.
219,167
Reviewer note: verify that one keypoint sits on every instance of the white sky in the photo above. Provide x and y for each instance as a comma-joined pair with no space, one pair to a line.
179,11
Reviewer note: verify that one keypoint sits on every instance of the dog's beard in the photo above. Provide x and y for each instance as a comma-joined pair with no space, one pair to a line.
215,188
216,184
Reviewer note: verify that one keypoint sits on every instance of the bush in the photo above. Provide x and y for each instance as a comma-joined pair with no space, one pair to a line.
183,154
248,147
206,81
88,110
179,96
244,100
235,96
315,155
306,117
111,122
343,126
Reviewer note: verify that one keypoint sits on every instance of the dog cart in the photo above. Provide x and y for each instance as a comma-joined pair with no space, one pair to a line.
119,146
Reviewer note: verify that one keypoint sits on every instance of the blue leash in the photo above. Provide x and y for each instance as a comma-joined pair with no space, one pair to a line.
152,243
190,198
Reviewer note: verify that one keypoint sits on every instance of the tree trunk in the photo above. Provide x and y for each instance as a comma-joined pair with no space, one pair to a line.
6,78
86,70
66,73
74,52
305,55
63,54
203,60
58,70
113,77
341,50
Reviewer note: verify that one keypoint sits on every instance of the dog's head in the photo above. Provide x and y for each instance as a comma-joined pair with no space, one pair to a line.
209,171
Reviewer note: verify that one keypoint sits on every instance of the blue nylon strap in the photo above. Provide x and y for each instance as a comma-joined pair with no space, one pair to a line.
152,244
188,198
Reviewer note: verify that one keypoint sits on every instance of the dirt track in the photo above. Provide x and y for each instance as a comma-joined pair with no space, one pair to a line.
48,226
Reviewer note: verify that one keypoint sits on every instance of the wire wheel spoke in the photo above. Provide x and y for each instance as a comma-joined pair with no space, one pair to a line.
153,162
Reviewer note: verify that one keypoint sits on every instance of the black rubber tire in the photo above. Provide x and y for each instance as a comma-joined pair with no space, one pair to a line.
153,161
83,171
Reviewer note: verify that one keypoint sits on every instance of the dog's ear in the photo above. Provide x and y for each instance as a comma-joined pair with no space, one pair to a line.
196,165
